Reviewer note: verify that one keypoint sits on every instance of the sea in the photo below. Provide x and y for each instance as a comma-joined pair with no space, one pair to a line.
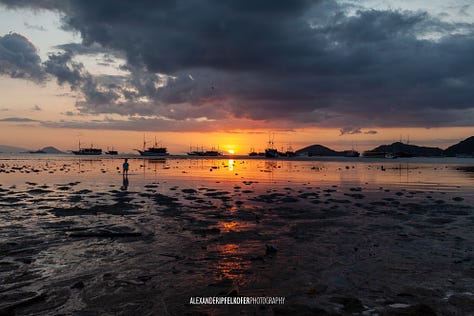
300,235
447,173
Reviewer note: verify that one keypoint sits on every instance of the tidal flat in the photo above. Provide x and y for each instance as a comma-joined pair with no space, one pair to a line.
349,237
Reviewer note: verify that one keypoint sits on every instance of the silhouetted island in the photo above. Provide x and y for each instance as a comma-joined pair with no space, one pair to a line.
399,149
47,150
318,150
463,148
11,149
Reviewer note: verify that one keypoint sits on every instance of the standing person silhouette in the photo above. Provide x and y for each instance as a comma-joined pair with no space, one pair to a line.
125,167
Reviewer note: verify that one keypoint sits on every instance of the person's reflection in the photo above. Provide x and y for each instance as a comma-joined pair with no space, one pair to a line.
124,183
125,175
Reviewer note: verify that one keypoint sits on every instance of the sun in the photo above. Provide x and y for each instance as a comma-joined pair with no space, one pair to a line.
231,151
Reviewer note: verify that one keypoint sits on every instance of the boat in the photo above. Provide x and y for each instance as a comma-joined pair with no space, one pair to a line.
202,153
207,153
351,153
379,154
271,151
212,153
111,152
374,154
404,154
256,154
289,152
153,151
194,153
87,151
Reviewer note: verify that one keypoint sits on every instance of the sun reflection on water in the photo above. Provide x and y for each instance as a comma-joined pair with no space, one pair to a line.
230,264
229,226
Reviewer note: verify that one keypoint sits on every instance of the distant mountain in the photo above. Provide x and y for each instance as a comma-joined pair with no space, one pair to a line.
46,150
406,150
11,149
318,150
398,149
465,147
51,150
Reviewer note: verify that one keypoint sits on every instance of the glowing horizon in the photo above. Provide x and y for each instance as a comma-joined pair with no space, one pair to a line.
241,142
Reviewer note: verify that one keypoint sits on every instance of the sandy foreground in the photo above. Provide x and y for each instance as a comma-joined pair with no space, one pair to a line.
149,246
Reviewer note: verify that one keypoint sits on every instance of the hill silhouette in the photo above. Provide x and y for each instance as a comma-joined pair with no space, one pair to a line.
52,150
406,150
46,150
11,149
318,150
399,149
464,147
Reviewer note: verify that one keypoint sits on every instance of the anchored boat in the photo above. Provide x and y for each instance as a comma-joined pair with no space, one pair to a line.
153,151
87,151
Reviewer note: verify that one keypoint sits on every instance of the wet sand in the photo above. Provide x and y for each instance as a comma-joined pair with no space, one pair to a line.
89,245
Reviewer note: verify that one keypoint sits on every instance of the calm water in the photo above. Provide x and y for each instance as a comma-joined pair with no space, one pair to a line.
102,172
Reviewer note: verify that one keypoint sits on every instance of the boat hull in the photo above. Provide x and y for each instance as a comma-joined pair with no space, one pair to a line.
87,153
271,153
152,154
205,153
374,154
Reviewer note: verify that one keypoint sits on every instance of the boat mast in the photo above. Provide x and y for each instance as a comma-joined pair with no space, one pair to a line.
270,141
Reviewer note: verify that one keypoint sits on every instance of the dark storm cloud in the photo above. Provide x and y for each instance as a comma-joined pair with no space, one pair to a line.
64,69
307,62
168,36
19,58
103,55
76,48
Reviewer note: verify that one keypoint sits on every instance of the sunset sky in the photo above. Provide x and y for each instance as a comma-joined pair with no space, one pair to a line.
229,73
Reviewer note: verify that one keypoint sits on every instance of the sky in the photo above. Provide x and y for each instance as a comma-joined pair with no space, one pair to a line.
230,74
